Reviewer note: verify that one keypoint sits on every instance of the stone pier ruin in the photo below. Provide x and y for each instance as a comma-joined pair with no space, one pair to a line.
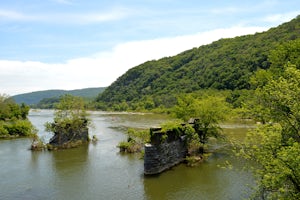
164,151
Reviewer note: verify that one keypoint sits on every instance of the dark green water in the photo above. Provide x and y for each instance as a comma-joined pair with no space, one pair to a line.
101,172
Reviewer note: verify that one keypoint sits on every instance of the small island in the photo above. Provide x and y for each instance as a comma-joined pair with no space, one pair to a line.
70,126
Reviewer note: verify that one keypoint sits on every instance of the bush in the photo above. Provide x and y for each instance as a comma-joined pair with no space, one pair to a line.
3,131
20,127
37,144
123,146
193,160
140,136
130,147
17,128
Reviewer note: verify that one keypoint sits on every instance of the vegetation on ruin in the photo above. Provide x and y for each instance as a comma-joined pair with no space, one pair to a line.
70,117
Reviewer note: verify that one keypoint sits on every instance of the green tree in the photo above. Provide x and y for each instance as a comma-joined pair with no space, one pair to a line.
274,146
208,112
286,53
69,114
24,110
13,118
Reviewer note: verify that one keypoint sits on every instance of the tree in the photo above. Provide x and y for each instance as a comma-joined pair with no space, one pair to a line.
277,170
70,121
13,118
207,112
286,53
24,110
274,146
70,108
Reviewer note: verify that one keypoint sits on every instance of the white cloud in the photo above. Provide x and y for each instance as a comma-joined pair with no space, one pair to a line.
103,68
280,18
66,18
91,17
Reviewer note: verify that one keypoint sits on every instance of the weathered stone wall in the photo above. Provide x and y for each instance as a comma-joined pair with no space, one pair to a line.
159,157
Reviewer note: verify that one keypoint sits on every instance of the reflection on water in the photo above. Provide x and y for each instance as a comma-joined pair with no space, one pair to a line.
101,172
207,181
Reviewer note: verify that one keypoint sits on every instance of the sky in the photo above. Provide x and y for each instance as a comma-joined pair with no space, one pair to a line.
74,44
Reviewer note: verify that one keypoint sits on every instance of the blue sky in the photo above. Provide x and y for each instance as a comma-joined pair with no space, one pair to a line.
71,44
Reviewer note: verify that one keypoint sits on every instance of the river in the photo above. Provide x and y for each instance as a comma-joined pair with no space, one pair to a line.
99,171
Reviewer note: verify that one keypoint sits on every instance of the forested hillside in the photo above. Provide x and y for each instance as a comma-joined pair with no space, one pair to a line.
35,97
224,64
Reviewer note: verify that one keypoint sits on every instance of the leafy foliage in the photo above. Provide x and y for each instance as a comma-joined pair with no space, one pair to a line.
278,173
10,110
13,118
135,141
70,114
173,125
207,111
274,146
140,136
193,141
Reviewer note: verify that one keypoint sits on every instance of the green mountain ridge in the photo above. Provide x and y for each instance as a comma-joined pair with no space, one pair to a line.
33,98
226,64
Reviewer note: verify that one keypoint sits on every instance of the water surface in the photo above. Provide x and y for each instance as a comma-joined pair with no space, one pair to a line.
99,171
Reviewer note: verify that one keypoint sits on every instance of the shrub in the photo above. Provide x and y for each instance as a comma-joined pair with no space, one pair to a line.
20,128
3,131
193,160
130,146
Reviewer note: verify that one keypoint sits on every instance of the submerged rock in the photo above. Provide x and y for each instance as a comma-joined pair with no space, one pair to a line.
37,145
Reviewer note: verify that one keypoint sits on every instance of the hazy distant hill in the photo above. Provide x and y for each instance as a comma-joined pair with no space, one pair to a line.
35,97
224,64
